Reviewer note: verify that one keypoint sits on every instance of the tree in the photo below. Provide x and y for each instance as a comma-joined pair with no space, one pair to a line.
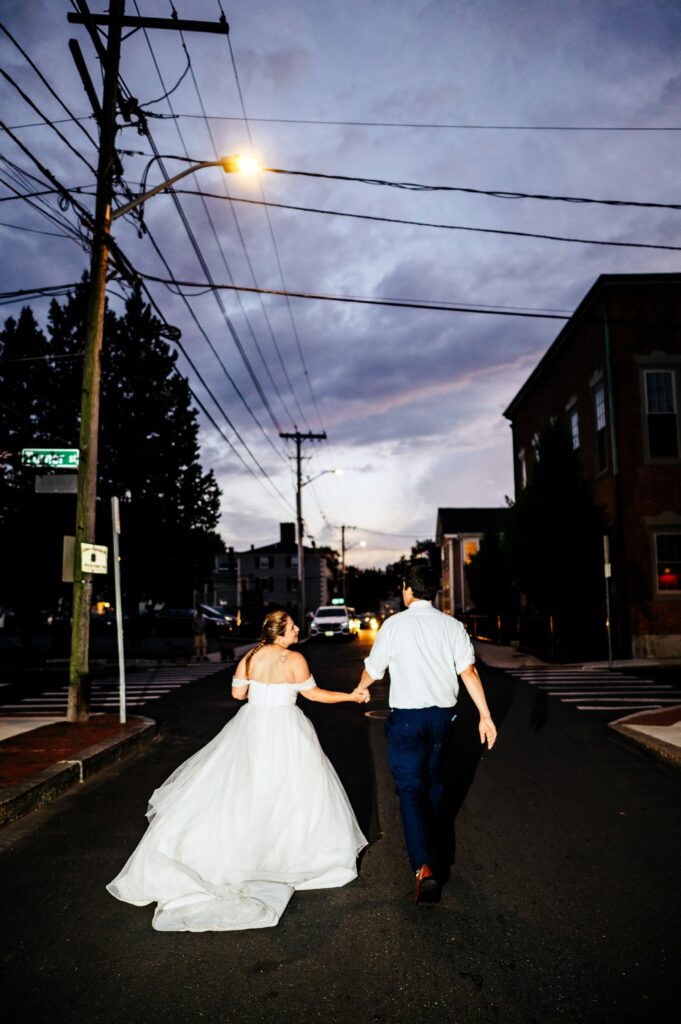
149,454
489,577
554,541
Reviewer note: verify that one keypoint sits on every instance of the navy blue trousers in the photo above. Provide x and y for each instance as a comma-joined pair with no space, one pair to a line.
417,745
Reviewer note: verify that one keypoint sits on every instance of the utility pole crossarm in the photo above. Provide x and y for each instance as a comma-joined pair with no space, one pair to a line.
130,21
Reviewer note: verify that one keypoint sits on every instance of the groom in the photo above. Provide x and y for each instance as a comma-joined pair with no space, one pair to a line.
424,650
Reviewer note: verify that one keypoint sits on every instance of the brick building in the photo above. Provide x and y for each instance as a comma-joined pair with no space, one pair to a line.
458,534
267,577
613,376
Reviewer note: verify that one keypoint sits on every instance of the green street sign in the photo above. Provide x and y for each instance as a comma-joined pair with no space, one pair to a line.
53,458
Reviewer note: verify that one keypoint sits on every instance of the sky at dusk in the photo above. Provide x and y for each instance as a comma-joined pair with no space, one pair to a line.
411,399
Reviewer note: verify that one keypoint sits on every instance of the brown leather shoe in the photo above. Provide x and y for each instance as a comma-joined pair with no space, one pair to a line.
426,885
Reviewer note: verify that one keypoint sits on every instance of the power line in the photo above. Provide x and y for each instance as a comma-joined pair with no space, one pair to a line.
247,256
412,186
362,301
46,119
35,231
431,224
443,125
57,120
186,355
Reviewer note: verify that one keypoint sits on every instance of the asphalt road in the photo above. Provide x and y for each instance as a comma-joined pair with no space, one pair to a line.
563,902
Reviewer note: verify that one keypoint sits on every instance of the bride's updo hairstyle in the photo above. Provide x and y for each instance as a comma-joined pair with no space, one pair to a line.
274,625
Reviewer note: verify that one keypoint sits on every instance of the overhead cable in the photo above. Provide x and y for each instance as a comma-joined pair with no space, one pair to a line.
251,269
413,186
47,120
360,301
431,224
445,125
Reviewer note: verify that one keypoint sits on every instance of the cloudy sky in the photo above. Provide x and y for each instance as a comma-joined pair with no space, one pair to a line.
452,92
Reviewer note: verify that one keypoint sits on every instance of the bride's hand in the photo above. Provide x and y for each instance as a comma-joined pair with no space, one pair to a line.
360,696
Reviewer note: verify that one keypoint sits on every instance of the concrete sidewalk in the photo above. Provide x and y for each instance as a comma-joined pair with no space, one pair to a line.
658,731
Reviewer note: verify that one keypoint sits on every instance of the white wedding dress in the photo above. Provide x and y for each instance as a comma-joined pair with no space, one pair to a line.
254,815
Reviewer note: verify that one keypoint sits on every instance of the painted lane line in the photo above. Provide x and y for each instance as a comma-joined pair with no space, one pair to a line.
617,707
622,700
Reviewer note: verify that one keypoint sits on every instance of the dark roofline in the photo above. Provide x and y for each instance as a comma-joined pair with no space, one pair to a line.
599,285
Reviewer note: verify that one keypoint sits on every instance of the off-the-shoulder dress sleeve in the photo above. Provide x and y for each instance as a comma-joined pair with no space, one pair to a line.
309,684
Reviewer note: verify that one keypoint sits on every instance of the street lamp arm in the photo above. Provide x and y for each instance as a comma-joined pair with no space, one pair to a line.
138,200
336,472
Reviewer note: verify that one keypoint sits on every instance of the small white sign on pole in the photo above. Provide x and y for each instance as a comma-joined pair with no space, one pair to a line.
94,558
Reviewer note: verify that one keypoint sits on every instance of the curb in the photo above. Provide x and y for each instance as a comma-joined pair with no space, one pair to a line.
632,728
24,797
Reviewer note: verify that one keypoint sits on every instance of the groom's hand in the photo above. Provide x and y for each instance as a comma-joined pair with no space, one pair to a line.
363,696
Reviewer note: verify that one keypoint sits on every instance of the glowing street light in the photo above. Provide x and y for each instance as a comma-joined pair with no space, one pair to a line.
234,164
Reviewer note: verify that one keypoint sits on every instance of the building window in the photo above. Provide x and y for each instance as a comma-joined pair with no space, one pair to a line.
661,418
668,562
523,467
574,429
470,548
264,561
535,447
599,413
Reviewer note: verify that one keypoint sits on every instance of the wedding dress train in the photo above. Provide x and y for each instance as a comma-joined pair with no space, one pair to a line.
254,815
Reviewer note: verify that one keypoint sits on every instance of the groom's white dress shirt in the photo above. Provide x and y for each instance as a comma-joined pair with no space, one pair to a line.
424,650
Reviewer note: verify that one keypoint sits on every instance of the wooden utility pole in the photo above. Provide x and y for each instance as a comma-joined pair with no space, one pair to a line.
115,20
79,669
299,438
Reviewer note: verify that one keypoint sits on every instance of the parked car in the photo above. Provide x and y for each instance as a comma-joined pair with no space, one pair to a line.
333,622
174,622
218,620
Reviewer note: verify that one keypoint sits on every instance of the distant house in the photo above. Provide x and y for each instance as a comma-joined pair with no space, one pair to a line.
267,577
458,534
613,376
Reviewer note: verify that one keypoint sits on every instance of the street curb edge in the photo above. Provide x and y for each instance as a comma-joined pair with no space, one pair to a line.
30,793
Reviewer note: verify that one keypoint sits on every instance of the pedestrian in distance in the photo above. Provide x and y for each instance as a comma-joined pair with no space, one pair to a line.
199,633
253,816
424,650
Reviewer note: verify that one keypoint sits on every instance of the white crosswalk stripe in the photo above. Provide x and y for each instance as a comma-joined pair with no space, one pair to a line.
599,690
141,688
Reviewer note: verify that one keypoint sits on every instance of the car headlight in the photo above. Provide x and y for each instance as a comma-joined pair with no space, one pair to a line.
373,624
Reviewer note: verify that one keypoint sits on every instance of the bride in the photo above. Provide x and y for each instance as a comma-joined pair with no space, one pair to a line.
256,814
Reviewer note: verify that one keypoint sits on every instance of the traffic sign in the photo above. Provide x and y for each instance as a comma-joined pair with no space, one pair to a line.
55,458
62,483
94,558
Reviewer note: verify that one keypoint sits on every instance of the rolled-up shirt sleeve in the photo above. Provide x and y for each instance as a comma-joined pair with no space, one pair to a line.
379,658
464,652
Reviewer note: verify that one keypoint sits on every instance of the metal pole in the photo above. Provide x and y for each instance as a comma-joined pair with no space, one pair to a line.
116,523
301,548
343,562
79,669
607,571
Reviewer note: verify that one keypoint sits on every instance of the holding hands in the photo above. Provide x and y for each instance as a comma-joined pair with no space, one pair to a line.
360,696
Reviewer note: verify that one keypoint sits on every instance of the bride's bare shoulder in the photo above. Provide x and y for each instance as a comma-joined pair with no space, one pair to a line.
298,666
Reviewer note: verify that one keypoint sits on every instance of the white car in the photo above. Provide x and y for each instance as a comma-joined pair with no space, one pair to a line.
332,621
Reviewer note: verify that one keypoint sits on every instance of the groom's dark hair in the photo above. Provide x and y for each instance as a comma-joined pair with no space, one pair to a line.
422,580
